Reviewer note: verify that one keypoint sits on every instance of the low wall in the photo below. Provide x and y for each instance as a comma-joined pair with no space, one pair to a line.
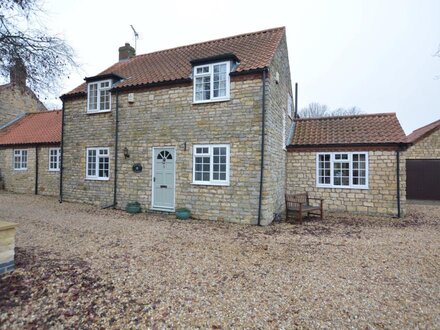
7,246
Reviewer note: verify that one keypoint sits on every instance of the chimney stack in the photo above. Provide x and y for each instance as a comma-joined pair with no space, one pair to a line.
126,52
17,73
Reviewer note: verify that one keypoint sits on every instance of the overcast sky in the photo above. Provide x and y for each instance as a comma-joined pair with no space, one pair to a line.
374,54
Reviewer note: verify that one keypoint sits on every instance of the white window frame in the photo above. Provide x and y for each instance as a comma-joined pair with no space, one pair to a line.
283,133
58,159
289,105
96,176
19,153
211,75
350,161
210,153
98,92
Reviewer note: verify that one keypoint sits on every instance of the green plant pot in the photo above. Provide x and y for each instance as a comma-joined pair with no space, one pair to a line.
133,207
183,214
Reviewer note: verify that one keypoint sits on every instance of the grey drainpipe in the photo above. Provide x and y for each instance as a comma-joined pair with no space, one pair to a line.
398,181
115,180
263,126
62,154
36,170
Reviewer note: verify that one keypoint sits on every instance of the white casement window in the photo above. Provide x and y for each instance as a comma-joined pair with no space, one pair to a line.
98,163
20,159
211,82
342,170
289,105
99,96
54,159
211,164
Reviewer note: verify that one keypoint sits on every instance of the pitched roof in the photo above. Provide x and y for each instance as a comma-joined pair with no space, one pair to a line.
254,51
423,132
379,128
33,128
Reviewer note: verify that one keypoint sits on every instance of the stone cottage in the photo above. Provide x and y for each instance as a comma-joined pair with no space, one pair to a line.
30,154
354,163
423,163
16,99
201,126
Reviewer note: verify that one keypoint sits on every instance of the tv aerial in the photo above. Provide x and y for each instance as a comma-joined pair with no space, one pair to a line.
136,37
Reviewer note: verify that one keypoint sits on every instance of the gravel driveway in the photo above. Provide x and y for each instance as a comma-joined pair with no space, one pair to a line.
82,267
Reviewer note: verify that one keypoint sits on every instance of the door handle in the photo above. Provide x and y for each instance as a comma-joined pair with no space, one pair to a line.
164,186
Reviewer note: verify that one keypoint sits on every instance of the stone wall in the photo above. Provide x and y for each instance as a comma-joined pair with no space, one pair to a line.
7,246
275,155
23,181
379,198
15,101
426,148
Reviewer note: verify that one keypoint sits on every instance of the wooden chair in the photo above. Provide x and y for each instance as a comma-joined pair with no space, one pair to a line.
300,203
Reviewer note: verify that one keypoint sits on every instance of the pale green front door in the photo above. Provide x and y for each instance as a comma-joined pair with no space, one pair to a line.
163,178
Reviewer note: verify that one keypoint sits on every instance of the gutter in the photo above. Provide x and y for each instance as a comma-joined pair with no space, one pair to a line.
62,154
115,180
263,126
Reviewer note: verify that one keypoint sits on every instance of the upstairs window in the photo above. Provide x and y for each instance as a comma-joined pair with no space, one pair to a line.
97,167
211,82
289,106
342,170
54,159
99,96
20,159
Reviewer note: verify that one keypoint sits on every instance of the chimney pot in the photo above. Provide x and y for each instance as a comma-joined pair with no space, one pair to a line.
126,52
17,73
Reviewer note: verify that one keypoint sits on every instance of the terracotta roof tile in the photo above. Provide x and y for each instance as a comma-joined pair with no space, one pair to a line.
423,132
346,130
254,51
33,128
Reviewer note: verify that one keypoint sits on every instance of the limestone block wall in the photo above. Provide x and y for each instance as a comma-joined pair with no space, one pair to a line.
23,181
16,100
166,116
379,198
275,154
7,246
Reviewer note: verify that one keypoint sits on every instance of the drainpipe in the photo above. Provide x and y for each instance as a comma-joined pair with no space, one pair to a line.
296,101
115,180
36,170
398,181
263,126
62,155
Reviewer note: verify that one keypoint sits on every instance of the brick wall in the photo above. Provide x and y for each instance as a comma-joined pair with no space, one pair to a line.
15,100
379,198
23,181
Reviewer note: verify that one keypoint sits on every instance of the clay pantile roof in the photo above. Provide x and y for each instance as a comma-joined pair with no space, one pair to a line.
423,132
253,50
33,128
380,128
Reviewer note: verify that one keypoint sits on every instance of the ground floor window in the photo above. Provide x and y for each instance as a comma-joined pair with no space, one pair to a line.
20,159
54,159
211,164
342,170
97,165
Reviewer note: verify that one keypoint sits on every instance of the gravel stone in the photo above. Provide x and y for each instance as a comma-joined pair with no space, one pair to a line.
78,266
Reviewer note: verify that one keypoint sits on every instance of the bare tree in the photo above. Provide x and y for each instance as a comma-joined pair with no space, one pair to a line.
23,39
314,110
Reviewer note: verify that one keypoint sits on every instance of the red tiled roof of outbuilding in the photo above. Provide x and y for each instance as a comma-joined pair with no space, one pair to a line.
33,128
379,128
423,132
254,50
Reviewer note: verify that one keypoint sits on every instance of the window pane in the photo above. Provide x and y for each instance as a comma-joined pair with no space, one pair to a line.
219,80
93,96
